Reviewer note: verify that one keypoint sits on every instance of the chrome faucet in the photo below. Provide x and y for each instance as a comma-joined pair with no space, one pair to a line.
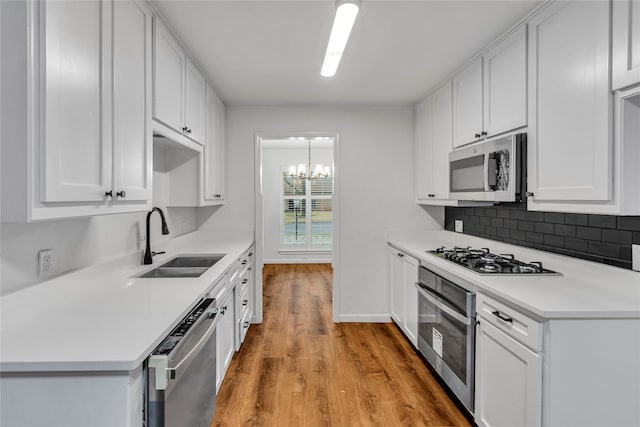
165,230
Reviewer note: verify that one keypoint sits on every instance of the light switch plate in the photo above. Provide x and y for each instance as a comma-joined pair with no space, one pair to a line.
458,226
635,256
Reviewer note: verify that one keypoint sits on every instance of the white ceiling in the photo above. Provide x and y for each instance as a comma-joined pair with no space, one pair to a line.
270,52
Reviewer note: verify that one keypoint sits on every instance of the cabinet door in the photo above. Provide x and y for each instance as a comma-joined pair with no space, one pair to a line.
396,285
423,156
410,278
132,167
505,84
441,141
168,78
221,144
77,158
626,43
225,337
467,104
570,140
195,90
508,381
210,148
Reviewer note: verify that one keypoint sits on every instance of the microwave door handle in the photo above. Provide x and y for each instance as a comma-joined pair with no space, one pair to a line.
459,317
485,175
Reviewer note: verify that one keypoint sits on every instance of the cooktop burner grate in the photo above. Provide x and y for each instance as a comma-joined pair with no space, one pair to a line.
485,262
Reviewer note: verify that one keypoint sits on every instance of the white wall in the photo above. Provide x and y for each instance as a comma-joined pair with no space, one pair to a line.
79,242
273,160
375,189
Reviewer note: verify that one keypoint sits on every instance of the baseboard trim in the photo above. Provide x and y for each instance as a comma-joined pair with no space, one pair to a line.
365,318
297,261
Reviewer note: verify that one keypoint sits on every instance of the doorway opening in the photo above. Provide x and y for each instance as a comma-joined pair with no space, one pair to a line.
296,203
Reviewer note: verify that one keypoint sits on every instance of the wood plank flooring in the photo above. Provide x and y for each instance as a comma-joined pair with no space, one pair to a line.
298,368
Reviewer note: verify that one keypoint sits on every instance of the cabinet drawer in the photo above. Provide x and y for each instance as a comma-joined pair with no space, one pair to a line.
244,325
243,302
510,321
220,289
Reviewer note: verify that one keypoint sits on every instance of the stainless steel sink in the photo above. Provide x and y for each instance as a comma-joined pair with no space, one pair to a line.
183,266
175,272
193,261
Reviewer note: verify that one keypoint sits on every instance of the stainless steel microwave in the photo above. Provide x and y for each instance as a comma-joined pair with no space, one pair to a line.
494,170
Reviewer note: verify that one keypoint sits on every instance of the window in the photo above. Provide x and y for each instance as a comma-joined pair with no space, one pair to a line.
307,212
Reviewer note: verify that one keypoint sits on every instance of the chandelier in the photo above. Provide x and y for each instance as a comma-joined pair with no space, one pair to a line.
304,171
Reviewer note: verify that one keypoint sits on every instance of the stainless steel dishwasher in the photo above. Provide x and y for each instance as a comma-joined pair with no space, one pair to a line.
181,372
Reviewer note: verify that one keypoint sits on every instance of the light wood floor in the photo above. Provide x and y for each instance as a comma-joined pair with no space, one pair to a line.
298,368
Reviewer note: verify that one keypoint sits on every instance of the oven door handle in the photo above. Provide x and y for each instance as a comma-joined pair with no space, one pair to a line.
451,312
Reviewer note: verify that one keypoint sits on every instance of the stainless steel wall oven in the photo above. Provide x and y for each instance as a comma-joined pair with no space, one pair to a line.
446,332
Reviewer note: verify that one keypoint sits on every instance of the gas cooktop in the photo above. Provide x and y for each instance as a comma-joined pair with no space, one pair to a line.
483,261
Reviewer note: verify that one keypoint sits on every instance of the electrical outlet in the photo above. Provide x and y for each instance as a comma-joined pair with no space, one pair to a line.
635,257
45,262
458,225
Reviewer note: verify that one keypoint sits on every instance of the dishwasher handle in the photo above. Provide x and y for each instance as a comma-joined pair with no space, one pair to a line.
165,370
173,372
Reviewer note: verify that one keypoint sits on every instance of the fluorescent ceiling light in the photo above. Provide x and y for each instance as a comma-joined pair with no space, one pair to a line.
345,17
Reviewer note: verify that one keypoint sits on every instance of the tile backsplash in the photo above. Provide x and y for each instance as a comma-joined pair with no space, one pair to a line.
600,238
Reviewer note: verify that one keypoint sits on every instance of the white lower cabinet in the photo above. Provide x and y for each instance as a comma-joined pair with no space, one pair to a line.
244,291
403,275
508,366
554,372
225,335
236,308
73,399
508,380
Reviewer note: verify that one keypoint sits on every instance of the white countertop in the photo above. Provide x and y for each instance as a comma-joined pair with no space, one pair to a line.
584,290
100,318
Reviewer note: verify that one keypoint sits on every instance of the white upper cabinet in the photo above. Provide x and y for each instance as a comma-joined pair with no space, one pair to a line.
626,43
467,105
441,140
432,145
490,95
423,150
195,108
76,153
505,84
178,86
132,159
214,151
168,78
81,140
570,138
